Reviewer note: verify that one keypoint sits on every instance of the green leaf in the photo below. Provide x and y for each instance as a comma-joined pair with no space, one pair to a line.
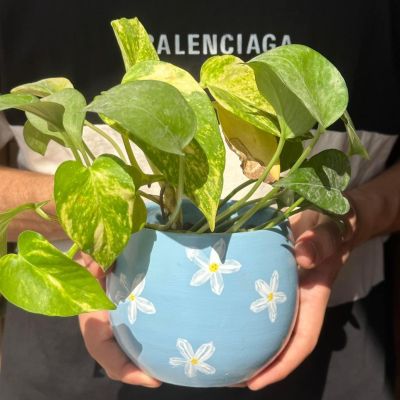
43,87
139,214
154,112
133,41
232,84
71,112
35,140
95,206
41,279
291,152
205,155
356,147
296,79
7,216
50,112
321,181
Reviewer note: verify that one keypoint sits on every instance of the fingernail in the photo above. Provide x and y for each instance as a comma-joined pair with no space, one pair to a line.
306,253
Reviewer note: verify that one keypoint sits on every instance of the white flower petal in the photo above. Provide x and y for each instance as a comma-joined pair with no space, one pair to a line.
190,370
205,351
230,266
185,348
191,253
199,277
132,312
205,368
280,297
145,306
217,282
262,288
176,361
259,305
274,282
218,252
272,311
138,289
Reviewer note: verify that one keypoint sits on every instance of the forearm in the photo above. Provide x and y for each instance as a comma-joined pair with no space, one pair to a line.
18,187
377,206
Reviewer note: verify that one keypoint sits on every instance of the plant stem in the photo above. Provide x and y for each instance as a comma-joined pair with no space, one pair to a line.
233,220
259,181
44,215
72,251
106,136
85,156
200,222
282,216
151,197
236,190
179,196
307,150
248,214
129,151
88,152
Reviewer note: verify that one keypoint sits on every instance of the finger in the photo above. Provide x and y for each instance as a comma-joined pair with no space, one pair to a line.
101,345
313,300
303,221
318,244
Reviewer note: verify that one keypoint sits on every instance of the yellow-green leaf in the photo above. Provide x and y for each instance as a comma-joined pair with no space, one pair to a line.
95,206
205,155
254,147
232,84
41,279
133,41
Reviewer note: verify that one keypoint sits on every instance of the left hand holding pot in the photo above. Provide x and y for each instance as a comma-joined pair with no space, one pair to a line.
100,342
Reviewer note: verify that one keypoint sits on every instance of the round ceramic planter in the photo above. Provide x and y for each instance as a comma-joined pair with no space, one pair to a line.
204,310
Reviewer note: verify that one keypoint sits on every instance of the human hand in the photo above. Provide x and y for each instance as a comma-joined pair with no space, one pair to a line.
320,251
101,344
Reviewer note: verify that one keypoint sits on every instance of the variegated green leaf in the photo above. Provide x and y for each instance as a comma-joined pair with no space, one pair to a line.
153,112
95,206
139,214
232,84
321,180
133,41
205,155
41,279
296,79
71,113
356,147
50,112
35,140
44,87
7,216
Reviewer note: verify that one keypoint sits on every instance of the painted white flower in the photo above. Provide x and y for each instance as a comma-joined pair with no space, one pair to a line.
212,269
134,300
270,296
194,361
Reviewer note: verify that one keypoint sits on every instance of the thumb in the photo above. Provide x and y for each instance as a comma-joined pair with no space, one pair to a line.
318,244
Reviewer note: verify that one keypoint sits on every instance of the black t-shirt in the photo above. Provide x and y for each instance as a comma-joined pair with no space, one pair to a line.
74,39
45,358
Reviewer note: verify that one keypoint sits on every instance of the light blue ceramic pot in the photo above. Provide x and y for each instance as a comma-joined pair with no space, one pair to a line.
204,310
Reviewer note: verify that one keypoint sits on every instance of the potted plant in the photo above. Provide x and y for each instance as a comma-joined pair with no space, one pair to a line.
204,292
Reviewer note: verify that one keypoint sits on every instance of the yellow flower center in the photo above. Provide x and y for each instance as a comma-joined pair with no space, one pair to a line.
270,296
194,361
213,267
132,297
